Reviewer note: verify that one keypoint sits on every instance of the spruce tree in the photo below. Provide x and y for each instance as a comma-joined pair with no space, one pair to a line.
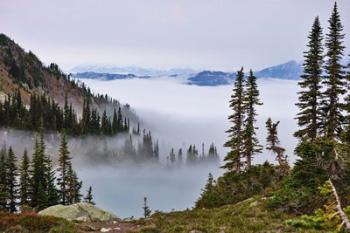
334,79
235,142
146,210
51,190
89,197
74,195
64,164
346,134
251,100
172,156
3,181
24,191
273,142
115,122
11,177
309,116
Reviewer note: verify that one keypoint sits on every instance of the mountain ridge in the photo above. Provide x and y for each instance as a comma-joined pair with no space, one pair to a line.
290,70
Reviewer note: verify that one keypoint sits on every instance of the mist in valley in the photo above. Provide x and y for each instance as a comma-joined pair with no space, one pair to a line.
178,116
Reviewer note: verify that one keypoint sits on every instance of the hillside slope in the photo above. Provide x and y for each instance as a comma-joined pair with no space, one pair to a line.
23,70
248,216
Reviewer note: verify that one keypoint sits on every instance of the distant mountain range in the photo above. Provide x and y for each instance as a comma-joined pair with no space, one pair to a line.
106,76
137,71
289,70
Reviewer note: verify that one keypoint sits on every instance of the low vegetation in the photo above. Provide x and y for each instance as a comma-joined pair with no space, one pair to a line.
33,223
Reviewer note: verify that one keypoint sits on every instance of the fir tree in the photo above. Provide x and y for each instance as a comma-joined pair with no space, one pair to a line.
64,164
74,195
89,197
179,157
309,116
210,184
334,80
51,190
235,142
251,100
3,182
25,180
273,142
146,210
115,122
11,177
172,156
346,135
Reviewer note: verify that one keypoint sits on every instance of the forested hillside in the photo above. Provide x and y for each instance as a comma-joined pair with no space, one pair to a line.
21,70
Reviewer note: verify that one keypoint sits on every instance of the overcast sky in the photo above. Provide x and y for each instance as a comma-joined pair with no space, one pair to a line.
211,34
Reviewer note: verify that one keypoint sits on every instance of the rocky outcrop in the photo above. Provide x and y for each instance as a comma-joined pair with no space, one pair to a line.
79,212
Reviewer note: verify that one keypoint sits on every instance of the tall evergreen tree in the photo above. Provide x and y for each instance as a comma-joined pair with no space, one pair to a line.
51,190
24,191
74,195
334,79
251,100
235,142
115,122
346,134
64,164
146,210
3,182
12,185
273,142
309,117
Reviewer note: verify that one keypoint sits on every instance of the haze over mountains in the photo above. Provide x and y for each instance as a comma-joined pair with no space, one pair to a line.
290,70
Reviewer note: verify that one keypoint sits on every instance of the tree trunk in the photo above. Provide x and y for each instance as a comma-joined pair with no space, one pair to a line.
343,216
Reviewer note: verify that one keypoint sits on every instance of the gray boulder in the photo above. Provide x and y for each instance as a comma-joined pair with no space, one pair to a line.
79,212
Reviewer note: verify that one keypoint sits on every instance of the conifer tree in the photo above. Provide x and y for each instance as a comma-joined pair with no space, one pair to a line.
64,164
89,197
179,157
146,210
74,195
235,142
115,122
273,142
210,183
51,190
3,182
309,116
172,156
346,134
12,185
334,79
251,100
25,180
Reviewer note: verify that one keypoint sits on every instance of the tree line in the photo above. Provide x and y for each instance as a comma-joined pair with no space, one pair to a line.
192,156
34,183
42,109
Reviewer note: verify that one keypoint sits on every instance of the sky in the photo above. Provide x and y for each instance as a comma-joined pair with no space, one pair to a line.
198,34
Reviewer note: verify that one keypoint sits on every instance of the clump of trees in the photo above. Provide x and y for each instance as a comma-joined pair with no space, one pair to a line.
323,121
323,133
193,157
243,143
42,109
34,183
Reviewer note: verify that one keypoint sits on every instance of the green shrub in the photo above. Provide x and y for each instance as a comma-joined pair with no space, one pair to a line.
233,187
